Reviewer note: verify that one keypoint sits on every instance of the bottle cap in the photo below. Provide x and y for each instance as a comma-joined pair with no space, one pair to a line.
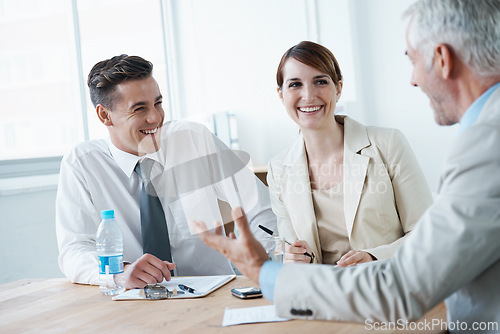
107,214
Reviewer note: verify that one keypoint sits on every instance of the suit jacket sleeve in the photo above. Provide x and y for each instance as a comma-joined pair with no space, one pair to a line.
283,219
454,245
412,195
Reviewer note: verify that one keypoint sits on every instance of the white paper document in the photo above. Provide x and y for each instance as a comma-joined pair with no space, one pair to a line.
203,285
248,315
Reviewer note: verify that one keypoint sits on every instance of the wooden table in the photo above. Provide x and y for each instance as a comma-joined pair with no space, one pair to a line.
58,306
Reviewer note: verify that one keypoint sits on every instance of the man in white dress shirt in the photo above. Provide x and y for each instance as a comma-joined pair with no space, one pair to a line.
453,254
193,170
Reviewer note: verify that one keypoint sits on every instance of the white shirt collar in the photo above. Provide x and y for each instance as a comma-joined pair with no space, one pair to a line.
127,161
124,160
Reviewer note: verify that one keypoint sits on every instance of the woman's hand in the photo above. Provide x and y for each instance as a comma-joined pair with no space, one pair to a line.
295,253
352,258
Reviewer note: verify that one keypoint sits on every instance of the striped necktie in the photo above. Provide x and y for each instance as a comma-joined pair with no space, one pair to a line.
154,229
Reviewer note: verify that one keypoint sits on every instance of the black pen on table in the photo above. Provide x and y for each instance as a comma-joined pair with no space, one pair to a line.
268,231
186,288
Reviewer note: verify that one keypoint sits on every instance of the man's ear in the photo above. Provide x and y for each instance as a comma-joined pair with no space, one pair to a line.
444,60
103,114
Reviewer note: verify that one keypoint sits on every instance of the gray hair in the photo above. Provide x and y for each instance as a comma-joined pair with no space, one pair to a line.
471,28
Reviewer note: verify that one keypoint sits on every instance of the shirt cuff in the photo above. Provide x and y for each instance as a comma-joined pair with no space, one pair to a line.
267,278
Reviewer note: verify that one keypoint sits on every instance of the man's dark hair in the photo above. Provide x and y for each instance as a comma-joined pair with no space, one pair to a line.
107,74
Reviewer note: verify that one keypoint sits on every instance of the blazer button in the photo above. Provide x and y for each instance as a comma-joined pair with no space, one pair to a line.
307,312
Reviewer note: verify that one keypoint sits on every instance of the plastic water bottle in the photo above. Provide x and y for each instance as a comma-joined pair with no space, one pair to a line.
109,242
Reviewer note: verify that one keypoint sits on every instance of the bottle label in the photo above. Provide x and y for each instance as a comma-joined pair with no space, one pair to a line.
111,264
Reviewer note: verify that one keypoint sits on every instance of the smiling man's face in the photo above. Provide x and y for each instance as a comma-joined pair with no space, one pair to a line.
136,120
431,82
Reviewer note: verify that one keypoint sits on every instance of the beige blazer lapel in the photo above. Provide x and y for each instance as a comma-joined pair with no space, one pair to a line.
299,194
355,167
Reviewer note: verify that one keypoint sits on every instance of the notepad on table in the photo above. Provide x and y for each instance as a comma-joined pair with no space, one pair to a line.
202,285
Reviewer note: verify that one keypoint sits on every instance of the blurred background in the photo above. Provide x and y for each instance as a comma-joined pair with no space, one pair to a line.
215,62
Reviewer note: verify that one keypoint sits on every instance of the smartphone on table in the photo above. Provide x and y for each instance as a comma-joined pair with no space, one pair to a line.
246,292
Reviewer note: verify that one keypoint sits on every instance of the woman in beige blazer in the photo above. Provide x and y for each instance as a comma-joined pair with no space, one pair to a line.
343,192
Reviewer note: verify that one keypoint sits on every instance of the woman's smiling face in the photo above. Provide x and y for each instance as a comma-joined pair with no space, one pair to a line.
309,95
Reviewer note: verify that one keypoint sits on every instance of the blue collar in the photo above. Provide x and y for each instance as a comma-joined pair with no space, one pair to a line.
472,113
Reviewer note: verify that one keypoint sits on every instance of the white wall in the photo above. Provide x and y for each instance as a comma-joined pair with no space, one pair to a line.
27,235
226,57
386,96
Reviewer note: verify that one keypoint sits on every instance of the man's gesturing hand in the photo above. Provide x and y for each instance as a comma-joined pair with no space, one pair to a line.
246,253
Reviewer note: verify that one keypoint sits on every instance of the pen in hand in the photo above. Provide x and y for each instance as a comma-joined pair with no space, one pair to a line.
186,288
268,231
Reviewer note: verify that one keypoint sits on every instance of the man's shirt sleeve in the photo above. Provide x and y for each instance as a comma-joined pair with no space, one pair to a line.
267,278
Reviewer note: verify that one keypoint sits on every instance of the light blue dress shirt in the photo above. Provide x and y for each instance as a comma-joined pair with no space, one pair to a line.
267,278
472,113
270,270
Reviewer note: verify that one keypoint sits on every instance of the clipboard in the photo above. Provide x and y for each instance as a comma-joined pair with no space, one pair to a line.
203,285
